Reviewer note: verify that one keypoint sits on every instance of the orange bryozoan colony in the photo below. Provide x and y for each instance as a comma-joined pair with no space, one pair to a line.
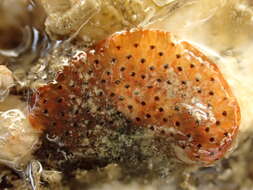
154,81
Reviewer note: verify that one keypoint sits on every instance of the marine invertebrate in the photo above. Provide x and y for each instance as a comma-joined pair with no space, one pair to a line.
152,80
6,81
17,138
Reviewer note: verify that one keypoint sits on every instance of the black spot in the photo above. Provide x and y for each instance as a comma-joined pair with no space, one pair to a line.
129,56
44,101
122,69
179,69
211,139
108,73
211,93
121,98
59,100
166,66
143,60
130,107
152,68
76,112
72,85
96,61
127,86
54,124
212,79
192,65
197,122
199,91
103,81
45,111
207,129
112,94
138,119
152,47
118,47
149,87
117,82
160,53
226,134
152,128
133,74
114,60
197,79
157,98
158,80
143,103
224,113
136,45
217,122
60,87
101,123
189,135
199,145
90,72
178,56
143,76
160,109
183,82
177,123
148,115
165,120
168,82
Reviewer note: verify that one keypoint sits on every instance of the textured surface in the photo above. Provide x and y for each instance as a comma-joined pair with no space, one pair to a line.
156,82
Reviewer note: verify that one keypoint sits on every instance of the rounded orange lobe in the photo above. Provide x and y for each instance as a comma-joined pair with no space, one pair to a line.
161,82
155,81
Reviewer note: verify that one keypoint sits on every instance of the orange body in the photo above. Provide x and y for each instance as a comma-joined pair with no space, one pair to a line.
156,82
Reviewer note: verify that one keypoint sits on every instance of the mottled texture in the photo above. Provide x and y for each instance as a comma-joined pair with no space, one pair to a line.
155,81
161,83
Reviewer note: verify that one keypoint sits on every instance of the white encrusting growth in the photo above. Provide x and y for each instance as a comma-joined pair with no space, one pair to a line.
17,138
66,17
6,81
